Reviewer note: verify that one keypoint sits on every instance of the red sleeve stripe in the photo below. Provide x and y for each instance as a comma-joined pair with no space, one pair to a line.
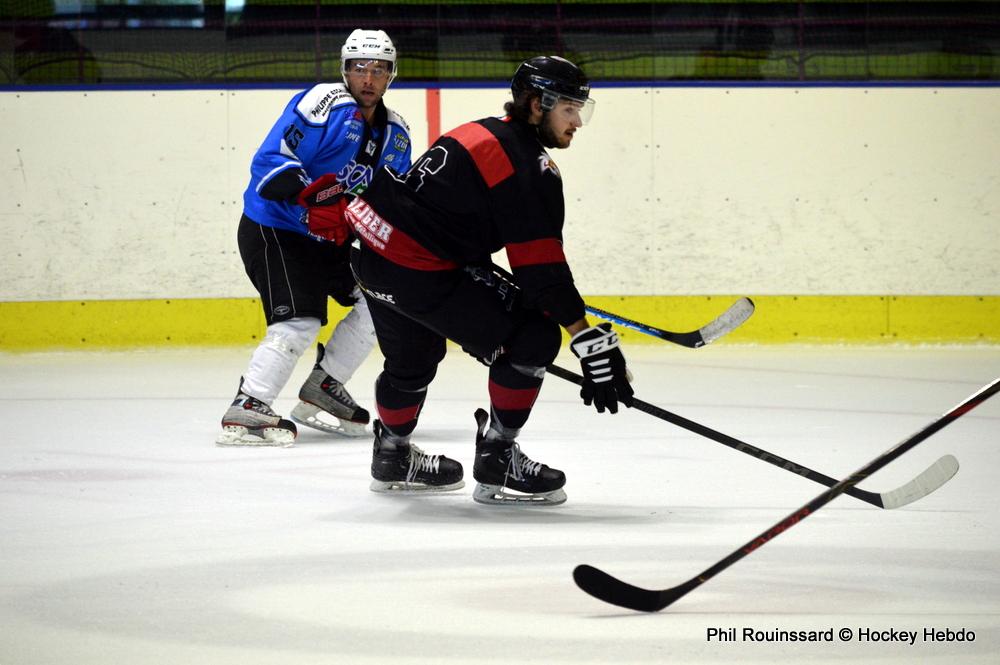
534,252
486,152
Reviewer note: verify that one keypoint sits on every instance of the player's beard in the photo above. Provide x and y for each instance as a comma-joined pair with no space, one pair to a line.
548,136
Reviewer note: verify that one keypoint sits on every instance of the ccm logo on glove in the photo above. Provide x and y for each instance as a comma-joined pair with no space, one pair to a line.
605,377
603,343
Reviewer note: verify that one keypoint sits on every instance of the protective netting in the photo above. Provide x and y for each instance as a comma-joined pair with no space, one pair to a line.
254,41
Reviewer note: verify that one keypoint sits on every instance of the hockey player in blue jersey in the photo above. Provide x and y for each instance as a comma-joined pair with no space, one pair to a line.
330,138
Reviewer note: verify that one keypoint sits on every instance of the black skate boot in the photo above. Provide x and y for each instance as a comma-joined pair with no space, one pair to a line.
407,468
327,406
250,422
505,475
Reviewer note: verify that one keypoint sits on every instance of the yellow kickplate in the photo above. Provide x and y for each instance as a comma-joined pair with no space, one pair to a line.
28,326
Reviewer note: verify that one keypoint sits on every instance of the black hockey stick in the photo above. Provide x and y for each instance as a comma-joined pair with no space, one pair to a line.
496,277
612,590
933,477
724,324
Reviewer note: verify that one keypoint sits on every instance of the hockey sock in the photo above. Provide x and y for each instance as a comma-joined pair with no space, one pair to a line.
513,391
350,342
398,409
274,359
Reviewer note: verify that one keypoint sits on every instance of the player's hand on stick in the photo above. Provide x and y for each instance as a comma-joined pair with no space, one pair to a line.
605,377
325,201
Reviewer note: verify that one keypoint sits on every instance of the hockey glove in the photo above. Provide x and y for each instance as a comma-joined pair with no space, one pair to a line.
325,201
605,378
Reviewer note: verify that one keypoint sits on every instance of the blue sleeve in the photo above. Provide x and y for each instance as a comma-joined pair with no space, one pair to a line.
311,135
274,155
396,153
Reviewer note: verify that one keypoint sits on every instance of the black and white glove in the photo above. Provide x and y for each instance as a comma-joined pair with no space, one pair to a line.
605,378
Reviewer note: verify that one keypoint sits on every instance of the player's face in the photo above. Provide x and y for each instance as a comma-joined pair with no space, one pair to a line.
367,80
561,123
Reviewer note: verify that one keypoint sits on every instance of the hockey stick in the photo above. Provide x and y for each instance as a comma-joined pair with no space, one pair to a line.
612,590
933,477
724,324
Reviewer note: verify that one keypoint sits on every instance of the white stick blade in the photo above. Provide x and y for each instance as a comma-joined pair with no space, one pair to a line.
936,475
728,321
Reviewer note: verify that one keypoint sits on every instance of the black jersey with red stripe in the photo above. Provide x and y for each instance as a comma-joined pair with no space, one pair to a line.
482,187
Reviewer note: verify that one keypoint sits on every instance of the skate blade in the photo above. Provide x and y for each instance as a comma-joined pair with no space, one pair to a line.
237,435
403,487
496,495
307,414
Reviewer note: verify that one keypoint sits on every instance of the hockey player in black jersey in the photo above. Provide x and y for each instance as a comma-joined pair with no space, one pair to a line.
482,187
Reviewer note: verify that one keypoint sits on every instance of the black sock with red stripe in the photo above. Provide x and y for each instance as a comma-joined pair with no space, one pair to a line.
513,391
397,409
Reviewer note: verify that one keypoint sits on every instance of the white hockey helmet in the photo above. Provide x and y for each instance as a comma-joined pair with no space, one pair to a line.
368,45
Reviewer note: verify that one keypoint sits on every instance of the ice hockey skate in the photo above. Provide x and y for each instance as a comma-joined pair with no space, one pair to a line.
407,468
327,406
250,422
506,476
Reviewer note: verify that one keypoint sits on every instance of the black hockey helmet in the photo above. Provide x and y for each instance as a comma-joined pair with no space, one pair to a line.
554,78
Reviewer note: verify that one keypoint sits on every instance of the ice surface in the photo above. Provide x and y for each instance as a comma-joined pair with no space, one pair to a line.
129,537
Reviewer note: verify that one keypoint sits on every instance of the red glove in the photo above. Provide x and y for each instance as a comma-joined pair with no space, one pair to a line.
325,201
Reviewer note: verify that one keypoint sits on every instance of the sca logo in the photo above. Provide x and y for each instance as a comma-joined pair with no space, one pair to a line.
356,177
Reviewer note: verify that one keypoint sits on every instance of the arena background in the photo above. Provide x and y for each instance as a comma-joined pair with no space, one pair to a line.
836,161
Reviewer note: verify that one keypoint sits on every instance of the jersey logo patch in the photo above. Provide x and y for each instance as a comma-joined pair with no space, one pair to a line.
546,163
356,177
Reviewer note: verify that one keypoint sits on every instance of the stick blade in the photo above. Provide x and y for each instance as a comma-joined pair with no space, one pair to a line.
732,318
612,590
933,477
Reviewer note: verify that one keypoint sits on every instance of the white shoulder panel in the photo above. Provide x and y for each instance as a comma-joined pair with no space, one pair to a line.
397,119
318,101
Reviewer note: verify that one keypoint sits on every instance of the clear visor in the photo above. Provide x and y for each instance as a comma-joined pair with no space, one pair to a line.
379,70
578,110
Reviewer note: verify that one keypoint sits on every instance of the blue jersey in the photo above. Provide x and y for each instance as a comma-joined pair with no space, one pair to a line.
322,131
